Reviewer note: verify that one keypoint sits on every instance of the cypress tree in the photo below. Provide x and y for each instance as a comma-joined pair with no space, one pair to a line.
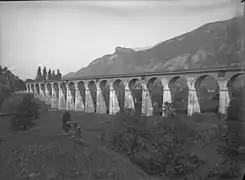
44,73
53,75
49,74
39,74
58,75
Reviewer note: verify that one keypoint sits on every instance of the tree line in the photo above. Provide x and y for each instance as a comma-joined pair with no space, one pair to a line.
8,79
9,83
43,75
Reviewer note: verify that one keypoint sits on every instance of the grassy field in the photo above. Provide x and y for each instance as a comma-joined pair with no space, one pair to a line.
44,153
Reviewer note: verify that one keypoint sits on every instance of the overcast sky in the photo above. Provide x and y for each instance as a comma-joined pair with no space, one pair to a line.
69,35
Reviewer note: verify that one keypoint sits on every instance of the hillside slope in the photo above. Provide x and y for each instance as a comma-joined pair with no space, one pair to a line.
9,83
212,45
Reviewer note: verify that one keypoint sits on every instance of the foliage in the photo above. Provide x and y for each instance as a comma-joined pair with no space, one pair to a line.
9,83
53,75
66,119
179,147
49,74
44,73
232,148
169,109
27,111
58,75
4,93
39,74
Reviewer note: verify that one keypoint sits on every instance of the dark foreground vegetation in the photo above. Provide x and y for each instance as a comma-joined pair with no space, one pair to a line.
126,146
202,146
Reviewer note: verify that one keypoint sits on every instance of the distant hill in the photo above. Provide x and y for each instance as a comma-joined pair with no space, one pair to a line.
70,75
212,45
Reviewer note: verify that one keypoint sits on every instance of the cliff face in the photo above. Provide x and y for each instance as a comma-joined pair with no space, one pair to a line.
210,46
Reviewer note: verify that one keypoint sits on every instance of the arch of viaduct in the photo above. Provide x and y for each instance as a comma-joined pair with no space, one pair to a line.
146,92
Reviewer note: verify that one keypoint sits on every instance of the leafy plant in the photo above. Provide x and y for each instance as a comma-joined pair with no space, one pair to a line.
27,112
159,146
169,109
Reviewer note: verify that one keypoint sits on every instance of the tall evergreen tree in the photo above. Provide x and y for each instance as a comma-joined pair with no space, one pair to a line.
58,75
44,73
39,74
53,75
49,74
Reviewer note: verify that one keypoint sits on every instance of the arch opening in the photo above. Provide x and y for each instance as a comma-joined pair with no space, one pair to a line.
29,87
119,87
49,88
43,88
56,89
93,91
155,88
81,88
63,89
179,94
235,84
105,89
135,87
38,89
32,87
71,86
207,89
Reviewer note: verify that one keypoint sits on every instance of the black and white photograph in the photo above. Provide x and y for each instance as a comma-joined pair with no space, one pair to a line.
122,90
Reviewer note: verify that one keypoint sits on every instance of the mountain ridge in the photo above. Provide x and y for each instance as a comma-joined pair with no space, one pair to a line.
213,45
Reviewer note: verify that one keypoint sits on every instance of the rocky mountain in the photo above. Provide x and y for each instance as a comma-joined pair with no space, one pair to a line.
212,45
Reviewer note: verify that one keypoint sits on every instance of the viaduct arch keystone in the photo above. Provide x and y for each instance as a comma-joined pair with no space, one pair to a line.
145,92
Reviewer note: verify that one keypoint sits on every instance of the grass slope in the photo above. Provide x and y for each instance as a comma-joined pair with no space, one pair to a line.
43,152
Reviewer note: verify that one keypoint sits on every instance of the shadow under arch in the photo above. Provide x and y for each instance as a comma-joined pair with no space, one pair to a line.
135,87
119,87
155,88
105,89
208,90
93,91
49,88
43,88
81,88
63,89
56,89
28,87
37,88
235,83
179,94
32,87
71,86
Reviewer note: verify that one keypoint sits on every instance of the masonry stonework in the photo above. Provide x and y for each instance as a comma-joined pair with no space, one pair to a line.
103,94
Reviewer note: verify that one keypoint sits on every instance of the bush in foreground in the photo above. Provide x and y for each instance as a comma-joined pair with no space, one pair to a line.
27,112
176,147
233,150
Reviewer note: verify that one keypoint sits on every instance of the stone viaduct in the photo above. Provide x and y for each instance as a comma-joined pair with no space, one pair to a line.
144,92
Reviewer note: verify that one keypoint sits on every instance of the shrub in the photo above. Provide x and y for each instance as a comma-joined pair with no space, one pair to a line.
233,158
4,93
66,120
179,147
27,111
164,145
169,109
